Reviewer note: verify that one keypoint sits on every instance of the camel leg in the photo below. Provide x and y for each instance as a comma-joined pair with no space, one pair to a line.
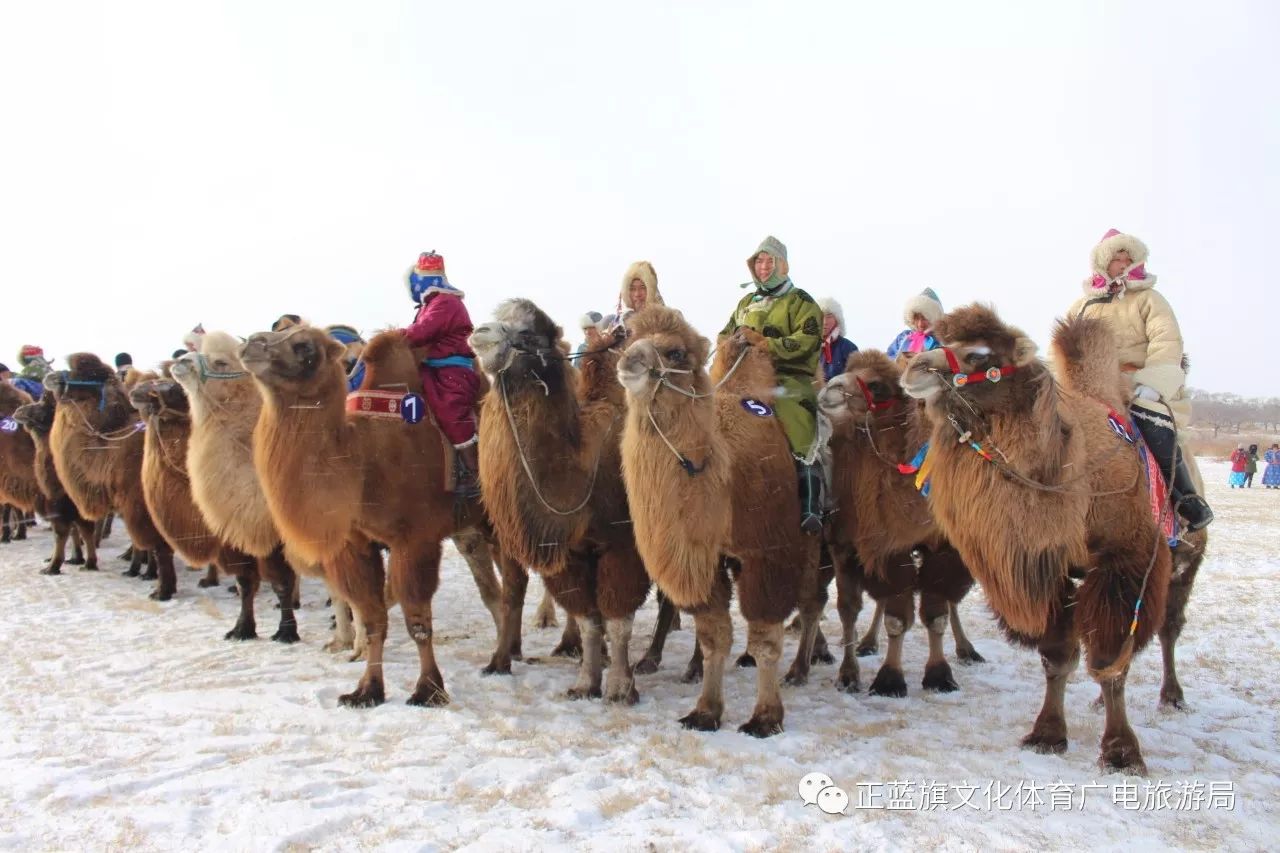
693,670
135,558
77,545
1120,750
965,651
546,615
247,575
153,567
60,532
570,645
848,604
515,582
592,666
667,615
415,576
87,531
764,640
1059,654
889,681
356,574
6,533
870,642
935,612
284,582
474,549
161,557
620,684
343,625
1186,563
210,578
810,612
714,630
20,526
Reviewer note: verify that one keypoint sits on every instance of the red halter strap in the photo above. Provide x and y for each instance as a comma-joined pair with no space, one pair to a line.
872,403
960,379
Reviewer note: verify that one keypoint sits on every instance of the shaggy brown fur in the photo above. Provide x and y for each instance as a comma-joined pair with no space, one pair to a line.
1086,517
18,485
37,418
97,450
565,424
167,487
729,501
886,521
336,482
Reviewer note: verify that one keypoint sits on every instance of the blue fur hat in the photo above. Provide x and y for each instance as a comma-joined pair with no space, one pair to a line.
428,277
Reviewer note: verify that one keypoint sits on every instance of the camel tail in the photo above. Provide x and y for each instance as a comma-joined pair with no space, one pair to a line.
1087,361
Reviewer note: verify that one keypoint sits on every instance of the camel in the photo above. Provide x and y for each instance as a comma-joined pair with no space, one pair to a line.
18,486
712,491
97,444
337,481
885,520
167,487
37,419
1040,487
552,482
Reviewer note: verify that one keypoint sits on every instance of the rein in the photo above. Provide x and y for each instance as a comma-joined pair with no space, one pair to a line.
660,373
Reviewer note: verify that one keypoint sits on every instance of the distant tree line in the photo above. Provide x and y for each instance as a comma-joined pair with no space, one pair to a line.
1224,411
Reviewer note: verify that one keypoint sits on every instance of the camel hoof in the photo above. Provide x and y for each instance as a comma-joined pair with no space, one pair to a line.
623,696
568,650
969,655
546,622
866,651
795,678
496,667
889,682
51,570
239,633
576,693
127,554
287,635
149,576
161,595
75,561
335,645
692,673
428,697
1125,759
745,661
701,721
823,657
232,588
363,697
1045,744
647,666
940,679
1173,700
848,683
205,583
131,573
89,567
762,725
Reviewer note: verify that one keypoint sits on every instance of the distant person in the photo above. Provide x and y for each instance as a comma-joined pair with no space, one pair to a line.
836,348
1271,476
124,362
1239,465
921,312
639,288
593,328
1251,466
193,338
34,365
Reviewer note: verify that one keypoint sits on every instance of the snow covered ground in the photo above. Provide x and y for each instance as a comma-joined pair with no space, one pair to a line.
128,724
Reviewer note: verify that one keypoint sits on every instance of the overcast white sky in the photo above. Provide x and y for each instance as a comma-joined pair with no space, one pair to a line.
173,162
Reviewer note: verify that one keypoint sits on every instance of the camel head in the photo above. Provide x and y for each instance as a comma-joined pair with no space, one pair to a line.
11,397
162,397
870,384
301,359
519,339
86,380
37,417
663,348
213,378
978,363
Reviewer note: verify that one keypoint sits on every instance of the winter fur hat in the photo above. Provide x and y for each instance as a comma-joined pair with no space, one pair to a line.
926,304
644,271
193,338
428,277
774,247
29,351
1135,277
123,359
829,305
593,320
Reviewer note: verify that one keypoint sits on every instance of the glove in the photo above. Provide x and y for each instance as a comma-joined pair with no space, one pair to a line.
1146,392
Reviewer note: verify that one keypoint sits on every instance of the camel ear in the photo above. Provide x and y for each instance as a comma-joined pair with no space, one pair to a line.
1024,351
335,349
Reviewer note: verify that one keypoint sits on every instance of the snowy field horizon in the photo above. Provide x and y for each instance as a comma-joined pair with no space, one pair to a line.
131,724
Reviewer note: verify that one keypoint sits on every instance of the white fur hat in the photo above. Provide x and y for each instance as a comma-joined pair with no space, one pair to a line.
593,319
829,305
926,304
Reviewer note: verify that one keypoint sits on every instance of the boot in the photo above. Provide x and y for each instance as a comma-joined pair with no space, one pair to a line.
810,477
466,471
1162,441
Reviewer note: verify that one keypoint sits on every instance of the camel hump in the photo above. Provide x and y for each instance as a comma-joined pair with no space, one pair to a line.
1087,361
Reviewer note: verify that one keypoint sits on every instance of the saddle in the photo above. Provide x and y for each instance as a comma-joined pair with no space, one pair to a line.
390,405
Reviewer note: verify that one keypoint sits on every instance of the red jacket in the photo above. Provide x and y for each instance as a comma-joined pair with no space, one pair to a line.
441,326
1239,461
